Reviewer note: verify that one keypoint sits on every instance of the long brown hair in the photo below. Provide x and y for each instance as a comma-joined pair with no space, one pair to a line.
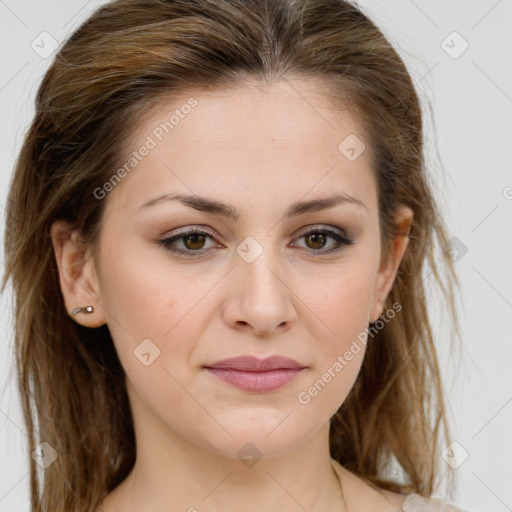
120,62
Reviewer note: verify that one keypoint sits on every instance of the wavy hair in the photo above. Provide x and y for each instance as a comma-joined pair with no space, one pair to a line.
121,62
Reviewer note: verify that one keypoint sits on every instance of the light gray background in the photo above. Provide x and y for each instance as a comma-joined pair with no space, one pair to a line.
472,99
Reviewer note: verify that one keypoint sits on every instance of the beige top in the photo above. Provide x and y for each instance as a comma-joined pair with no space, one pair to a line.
412,503
416,503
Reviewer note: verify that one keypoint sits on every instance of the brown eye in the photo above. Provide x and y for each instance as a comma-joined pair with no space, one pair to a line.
317,240
195,241
191,241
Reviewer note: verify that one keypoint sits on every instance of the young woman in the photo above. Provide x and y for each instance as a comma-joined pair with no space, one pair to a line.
216,232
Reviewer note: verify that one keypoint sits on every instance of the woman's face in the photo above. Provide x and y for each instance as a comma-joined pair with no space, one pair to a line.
253,282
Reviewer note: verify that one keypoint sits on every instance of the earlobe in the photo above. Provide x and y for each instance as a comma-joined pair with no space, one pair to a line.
77,276
389,268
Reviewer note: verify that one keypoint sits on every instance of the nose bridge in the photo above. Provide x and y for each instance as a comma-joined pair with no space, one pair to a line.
265,300
260,266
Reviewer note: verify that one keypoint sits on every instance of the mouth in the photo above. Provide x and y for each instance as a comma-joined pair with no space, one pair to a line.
256,375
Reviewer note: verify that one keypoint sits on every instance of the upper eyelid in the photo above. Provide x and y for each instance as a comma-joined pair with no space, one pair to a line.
200,229
190,230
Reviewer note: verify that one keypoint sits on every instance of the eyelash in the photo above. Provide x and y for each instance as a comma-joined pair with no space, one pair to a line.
342,241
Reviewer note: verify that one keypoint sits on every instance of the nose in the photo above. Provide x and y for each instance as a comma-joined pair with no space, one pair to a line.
260,300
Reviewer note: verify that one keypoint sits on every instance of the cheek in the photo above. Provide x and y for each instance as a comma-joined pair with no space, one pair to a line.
139,294
342,302
140,309
346,304
151,324
154,301
342,298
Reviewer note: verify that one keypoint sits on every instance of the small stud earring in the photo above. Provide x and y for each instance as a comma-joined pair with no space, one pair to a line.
85,309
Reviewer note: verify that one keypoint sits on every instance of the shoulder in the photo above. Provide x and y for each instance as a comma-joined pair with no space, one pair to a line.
416,503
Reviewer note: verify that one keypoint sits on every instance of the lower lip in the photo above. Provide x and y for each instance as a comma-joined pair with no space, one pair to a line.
260,382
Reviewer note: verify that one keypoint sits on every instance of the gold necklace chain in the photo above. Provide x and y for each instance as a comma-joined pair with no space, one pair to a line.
338,479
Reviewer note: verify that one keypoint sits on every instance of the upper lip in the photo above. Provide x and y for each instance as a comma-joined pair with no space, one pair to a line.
250,363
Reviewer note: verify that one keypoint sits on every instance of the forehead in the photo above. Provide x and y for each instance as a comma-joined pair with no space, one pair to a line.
278,140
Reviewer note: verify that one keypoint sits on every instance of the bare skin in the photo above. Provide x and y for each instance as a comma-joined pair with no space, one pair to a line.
259,149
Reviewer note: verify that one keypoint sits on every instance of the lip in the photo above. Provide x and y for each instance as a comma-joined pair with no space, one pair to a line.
256,375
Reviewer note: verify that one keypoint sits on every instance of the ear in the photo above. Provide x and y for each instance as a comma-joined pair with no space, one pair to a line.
389,267
77,274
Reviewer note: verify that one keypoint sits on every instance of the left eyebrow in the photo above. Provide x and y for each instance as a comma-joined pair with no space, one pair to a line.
205,204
